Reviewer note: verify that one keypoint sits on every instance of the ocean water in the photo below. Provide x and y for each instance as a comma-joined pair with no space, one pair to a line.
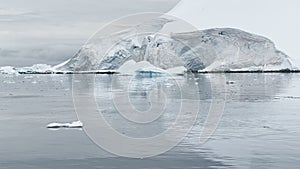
256,118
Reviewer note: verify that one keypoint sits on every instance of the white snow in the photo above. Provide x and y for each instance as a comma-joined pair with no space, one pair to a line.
177,70
76,124
8,70
37,68
60,65
131,67
276,20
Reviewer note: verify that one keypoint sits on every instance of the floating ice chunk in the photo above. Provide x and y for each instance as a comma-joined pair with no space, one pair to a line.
131,67
76,124
144,67
150,70
230,82
177,70
128,67
8,70
28,77
38,68
169,84
9,82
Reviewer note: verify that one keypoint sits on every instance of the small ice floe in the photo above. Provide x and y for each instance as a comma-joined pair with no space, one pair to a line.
230,82
37,68
8,70
76,124
169,84
9,82
177,70
291,97
28,77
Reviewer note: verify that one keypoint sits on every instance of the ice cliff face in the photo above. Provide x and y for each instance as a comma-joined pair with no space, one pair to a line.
218,49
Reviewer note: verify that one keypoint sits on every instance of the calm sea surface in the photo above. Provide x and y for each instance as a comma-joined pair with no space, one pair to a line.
258,127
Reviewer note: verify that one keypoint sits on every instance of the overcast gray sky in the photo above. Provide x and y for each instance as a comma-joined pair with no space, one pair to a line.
51,31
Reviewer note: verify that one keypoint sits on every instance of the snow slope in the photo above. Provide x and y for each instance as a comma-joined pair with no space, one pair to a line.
278,20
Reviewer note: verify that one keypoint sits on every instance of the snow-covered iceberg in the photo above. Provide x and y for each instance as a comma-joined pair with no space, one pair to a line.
37,68
8,70
218,49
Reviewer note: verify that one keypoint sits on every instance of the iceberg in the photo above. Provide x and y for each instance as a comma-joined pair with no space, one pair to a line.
217,43
35,69
76,124
8,70
210,50
131,67
163,42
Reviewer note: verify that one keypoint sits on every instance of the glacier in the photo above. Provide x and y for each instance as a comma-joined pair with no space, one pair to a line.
216,49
